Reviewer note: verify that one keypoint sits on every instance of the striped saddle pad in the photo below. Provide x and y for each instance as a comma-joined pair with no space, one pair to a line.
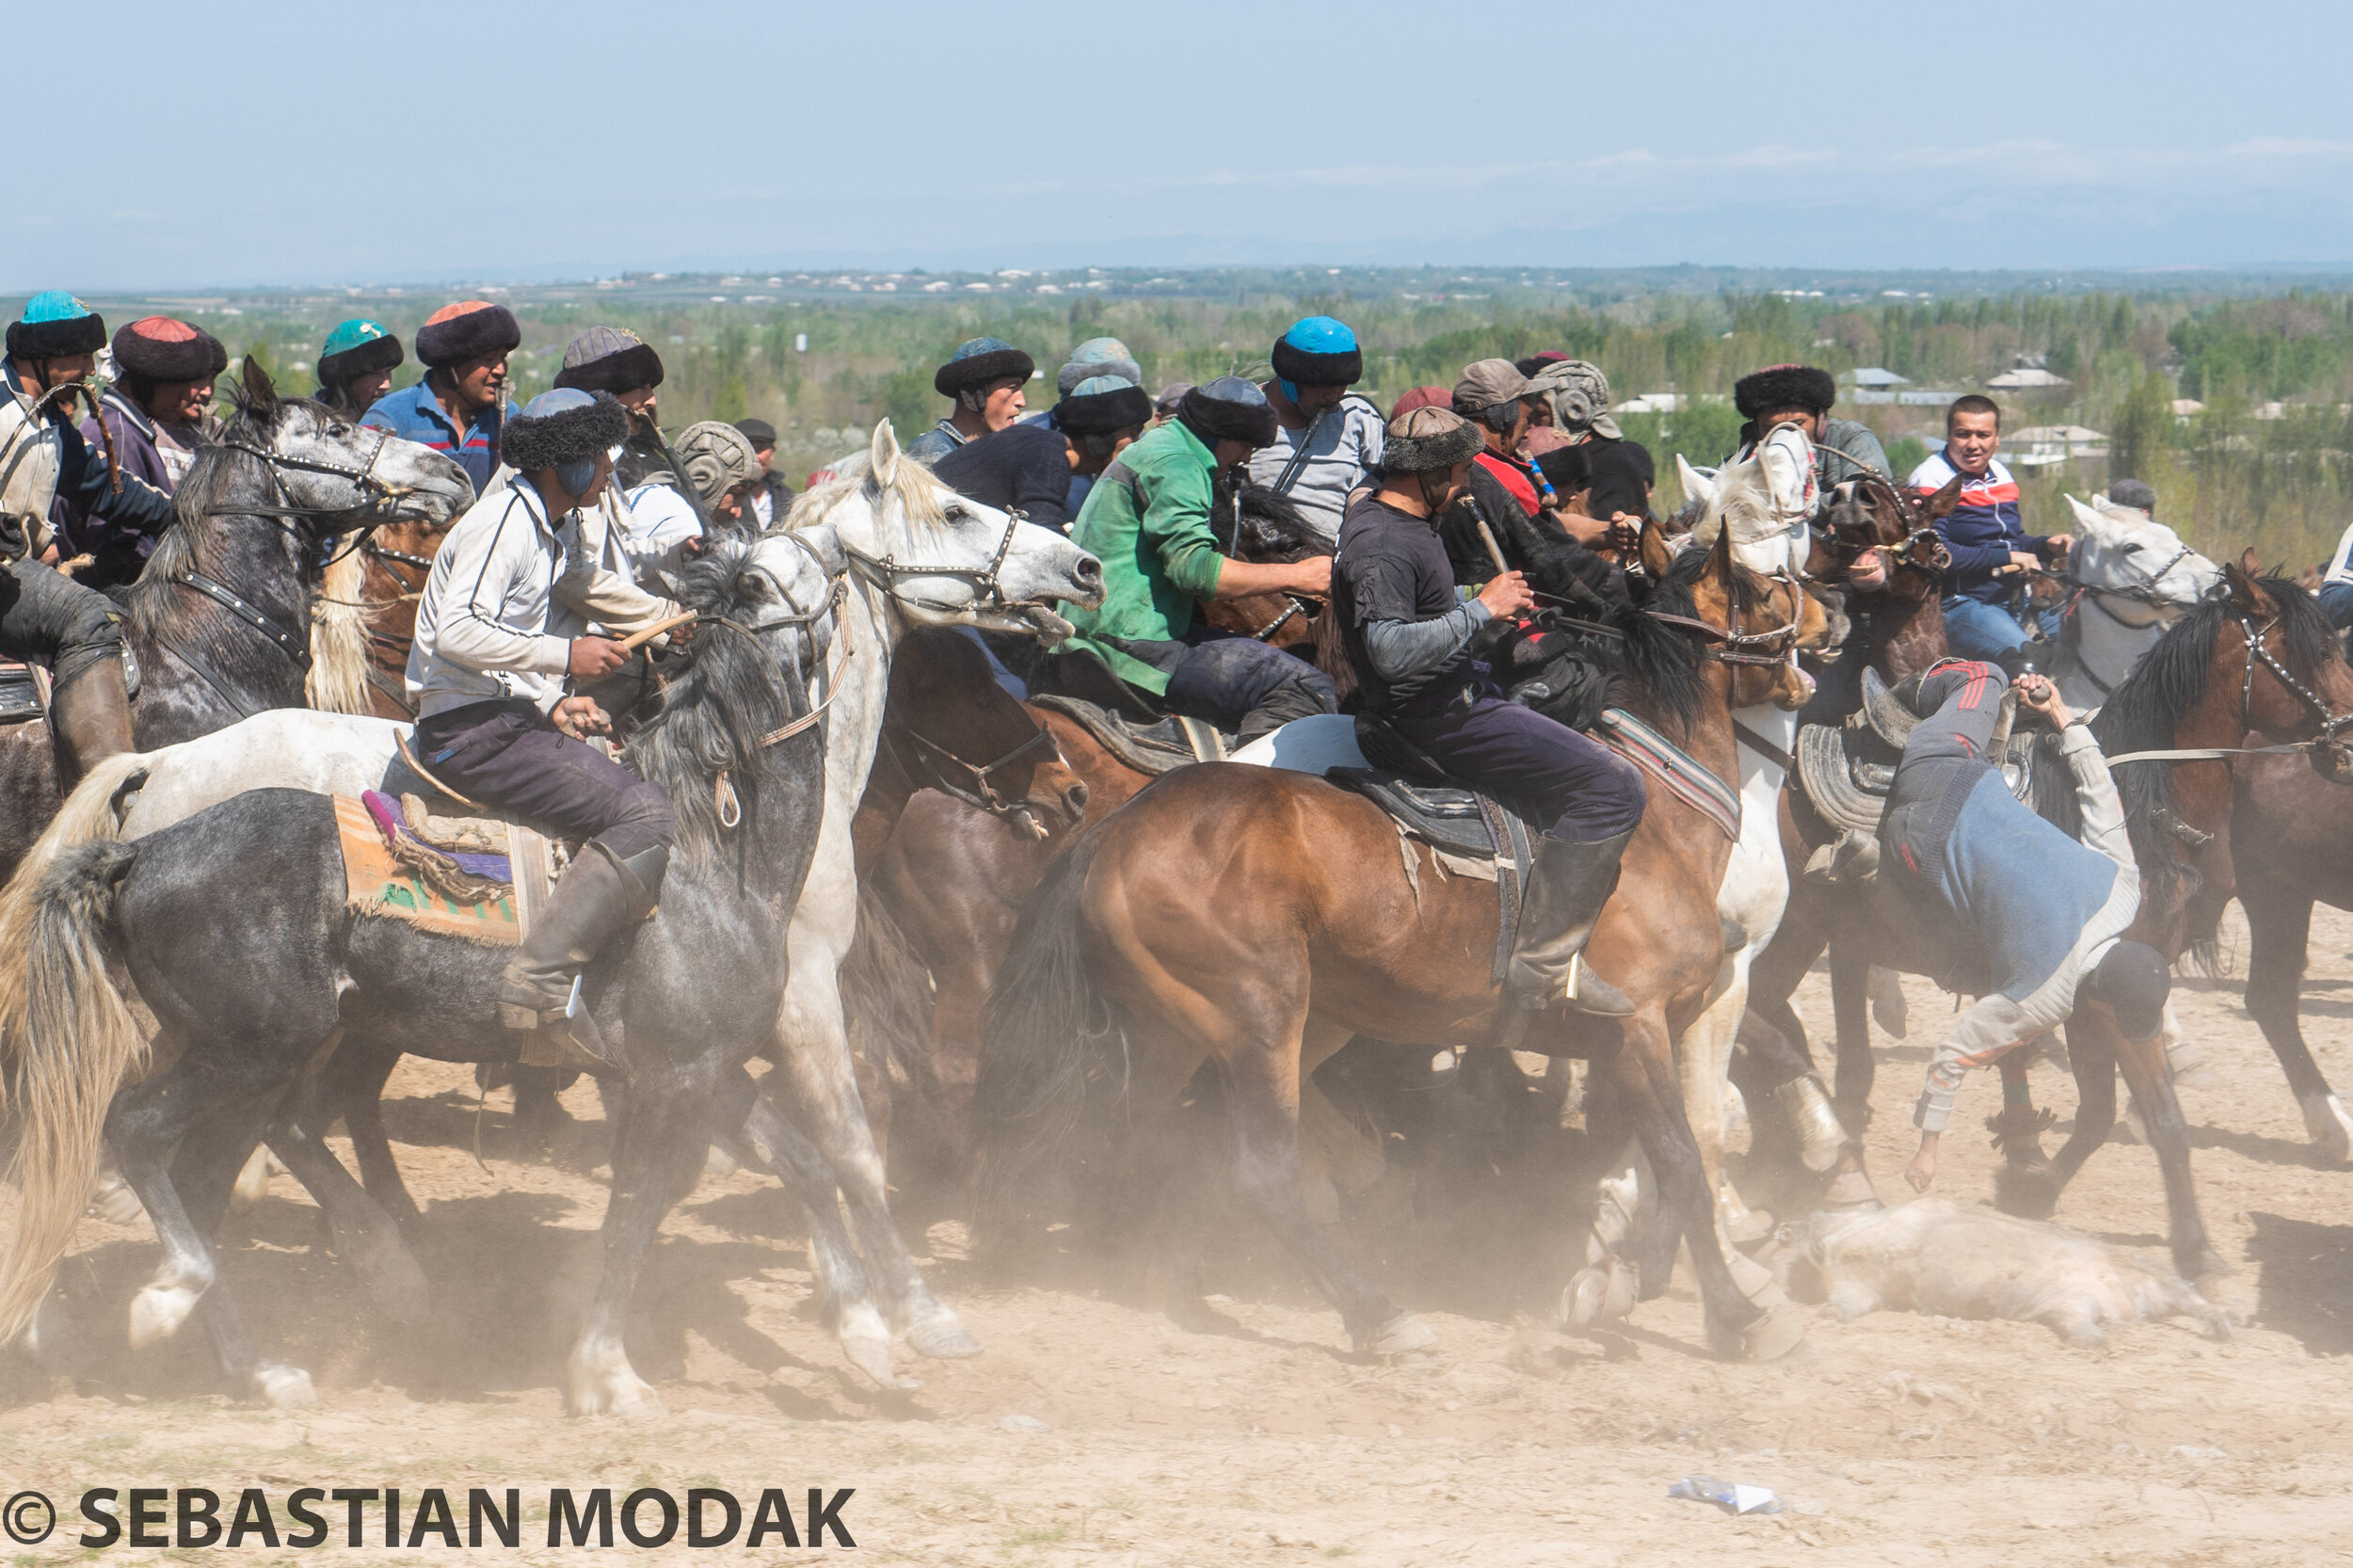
1655,755
390,868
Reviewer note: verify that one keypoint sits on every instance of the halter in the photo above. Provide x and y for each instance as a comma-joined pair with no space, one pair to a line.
988,592
724,803
2330,720
1731,645
373,493
983,795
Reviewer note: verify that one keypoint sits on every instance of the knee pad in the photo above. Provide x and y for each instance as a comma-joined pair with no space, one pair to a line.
2135,982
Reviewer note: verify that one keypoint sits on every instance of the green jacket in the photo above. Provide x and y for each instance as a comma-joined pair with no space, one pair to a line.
1148,519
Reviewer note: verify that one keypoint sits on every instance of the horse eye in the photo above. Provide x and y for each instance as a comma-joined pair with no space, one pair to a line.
338,430
956,514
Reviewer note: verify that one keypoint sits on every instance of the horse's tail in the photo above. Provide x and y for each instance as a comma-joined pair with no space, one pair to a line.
1332,656
887,993
338,680
91,814
69,1040
1045,1015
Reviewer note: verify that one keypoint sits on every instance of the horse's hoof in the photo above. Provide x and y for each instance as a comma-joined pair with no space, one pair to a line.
1852,1189
866,1341
115,1203
941,1335
402,1293
1743,1225
283,1388
2029,1195
2221,1286
1403,1331
602,1383
2331,1128
718,1163
1580,1302
159,1312
1774,1335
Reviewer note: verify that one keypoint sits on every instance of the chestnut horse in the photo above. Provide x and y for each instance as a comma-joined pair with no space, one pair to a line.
1260,918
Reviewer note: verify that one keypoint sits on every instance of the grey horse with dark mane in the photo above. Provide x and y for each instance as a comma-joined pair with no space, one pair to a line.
234,927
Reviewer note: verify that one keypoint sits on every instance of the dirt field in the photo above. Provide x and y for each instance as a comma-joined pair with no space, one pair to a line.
1096,1430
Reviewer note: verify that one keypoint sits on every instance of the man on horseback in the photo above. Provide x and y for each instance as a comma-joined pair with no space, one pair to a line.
1509,505
1148,519
1325,441
461,403
1803,396
1408,630
1987,541
488,672
156,415
356,365
984,377
1033,467
1995,900
44,613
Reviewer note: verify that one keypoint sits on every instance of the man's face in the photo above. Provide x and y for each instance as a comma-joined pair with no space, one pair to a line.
641,403
730,505
1457,480
1312,401
1973,438
1508,441
1002,402
1539,413
480,381
71,367
1233,453
181,402
1086,464
368,387
767,457
1804,418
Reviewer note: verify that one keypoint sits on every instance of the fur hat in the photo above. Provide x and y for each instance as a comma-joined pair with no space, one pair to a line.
609,359
1097,356
1228,410
1319,352
1101,404
1778,387
467,330
162,349
716,457
977,361
354,348
1420,441
55,326
565,426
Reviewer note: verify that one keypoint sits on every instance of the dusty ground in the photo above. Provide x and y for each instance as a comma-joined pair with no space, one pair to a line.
1897,1438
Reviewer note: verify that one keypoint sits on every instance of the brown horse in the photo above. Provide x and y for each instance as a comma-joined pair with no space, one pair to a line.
1259,918
366,619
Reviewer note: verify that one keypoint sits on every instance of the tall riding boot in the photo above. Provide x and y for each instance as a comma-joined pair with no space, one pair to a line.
1567,885
598,895
89,717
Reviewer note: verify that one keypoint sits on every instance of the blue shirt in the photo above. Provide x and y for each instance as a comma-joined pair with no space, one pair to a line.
414,414
1984,528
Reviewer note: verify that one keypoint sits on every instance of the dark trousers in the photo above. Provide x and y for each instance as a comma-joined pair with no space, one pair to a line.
506,753
1240,683
47,614
1504,749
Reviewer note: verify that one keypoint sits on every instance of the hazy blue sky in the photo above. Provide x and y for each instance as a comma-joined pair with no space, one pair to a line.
231,143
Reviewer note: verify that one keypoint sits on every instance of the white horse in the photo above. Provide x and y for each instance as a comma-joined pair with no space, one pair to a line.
2130,577
913,553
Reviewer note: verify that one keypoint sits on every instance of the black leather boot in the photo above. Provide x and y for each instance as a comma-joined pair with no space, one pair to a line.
598,895
89,717
1567,885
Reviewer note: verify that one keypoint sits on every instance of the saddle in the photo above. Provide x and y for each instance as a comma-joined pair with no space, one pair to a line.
1157,748
1846,772
480,877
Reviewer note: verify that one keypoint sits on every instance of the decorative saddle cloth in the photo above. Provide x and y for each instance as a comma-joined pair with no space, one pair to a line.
476,877
1154,748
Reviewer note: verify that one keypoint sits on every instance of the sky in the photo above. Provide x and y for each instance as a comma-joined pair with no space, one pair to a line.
259,143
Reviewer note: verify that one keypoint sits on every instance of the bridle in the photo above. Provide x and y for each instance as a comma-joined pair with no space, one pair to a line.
983,792
988,592
724,802
2332,721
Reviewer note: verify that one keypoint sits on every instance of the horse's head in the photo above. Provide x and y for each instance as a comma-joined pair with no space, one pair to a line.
943,560
1765,618
1868,527
1763,504
2276,654
957,731
327,467
2139,571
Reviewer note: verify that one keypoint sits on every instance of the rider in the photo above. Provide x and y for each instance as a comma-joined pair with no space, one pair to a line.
774,498
461,403
487,673
984,377
1408,627
1148,519
1514,498
1031,466
44,613
356,365
1325,441
1097,356
1987,542
158,413
1803,395
1995,900
657,503
718,460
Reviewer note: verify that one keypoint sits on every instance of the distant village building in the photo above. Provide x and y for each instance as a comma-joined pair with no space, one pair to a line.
2025,373
2042,445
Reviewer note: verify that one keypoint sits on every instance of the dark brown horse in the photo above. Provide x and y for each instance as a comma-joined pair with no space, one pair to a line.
1259,918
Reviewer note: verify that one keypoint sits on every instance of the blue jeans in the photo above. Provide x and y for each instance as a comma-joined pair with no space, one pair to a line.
1975,629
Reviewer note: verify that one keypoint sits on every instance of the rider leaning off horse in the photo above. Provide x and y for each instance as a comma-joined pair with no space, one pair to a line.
1148,519
44,613
1995,900
487,673
1408,627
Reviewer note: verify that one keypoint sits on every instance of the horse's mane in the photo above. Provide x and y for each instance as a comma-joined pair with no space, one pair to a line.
1647,660
2170,680
921,496
712,716
155,608
1266,525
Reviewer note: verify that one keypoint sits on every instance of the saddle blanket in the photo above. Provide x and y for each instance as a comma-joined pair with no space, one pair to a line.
391,868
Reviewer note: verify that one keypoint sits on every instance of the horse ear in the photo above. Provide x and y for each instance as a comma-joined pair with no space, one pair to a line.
1940,505
882,457
1659,554
260,393
2240,579
2089,519
1699,487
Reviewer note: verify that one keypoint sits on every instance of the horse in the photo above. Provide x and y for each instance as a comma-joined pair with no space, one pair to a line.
232,928
2126,580
365,619
218,623
1261,918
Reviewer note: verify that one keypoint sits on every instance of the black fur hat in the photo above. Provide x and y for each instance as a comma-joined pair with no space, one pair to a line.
369,353
162,349
1421,440
1228,410
55,326
565,426
1114,403
606,358
467,330
1778,387
977,361
1301,368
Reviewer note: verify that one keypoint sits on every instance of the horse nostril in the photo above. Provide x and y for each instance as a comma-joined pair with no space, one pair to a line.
1076,798
1090,571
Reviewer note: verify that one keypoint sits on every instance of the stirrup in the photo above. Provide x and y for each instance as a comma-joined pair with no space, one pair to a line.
566,1037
